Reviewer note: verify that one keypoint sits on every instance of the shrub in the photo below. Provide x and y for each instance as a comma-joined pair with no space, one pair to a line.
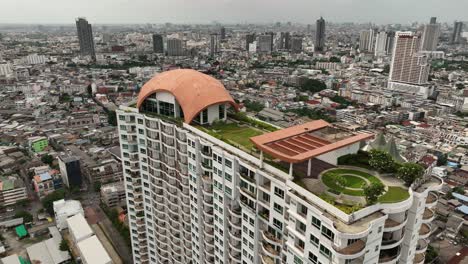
409,172
373,191
381,161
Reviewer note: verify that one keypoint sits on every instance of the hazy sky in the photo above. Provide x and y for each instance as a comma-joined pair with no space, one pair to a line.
230,11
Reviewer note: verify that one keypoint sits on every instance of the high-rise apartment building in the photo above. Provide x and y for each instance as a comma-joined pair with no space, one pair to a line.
265,43
457,30
214,45
367,40
222,33
381,44
408,66
196,194
158,44
284,42
175,47
320,35
430,36
85,37
249,39
296,44
390,42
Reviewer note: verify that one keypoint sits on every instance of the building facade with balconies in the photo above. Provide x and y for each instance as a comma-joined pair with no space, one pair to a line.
198,191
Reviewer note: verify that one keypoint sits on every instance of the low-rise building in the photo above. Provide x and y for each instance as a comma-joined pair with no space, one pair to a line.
70,170
92,251
12,190
78,228
65,209
38,144
108,170
46,182
113,194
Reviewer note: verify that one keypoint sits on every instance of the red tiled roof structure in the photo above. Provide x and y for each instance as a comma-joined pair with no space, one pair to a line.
298,143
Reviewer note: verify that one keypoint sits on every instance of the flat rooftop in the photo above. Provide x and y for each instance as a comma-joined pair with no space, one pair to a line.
303,142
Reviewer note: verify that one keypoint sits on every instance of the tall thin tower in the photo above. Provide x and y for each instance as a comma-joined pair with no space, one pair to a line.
430,36
85,37
320,35
457,29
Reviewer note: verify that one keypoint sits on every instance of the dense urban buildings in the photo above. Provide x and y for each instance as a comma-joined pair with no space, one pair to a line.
228,203
85,37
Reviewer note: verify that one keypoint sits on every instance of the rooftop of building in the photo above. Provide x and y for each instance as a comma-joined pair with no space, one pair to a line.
193,90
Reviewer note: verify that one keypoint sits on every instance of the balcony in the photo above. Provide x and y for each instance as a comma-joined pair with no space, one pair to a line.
270,238
425,231
428,216
392,225
265,215
270,251
351,251
389,256
267,259
391,243
419,258
431,199
421,246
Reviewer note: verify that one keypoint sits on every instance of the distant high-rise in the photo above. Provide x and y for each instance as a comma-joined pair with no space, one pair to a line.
430,36
214,44
320,35
390,42
408,66
284,41
457,29
366,40
85,37
222,33
381,44
249,39
158,45
175,47
265,43
296,44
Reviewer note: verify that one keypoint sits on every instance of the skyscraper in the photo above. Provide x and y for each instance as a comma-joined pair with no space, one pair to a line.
296,44
214,44
390,42
249,39
85,37
457,29
175,47
284,41
367,40
381,44
222,33
430,36
158,45
193,198
320,35
408,65
265,43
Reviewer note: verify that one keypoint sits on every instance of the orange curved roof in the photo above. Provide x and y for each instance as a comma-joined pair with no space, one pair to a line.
193,90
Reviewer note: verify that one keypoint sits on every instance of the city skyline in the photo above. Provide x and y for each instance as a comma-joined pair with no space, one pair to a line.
179,11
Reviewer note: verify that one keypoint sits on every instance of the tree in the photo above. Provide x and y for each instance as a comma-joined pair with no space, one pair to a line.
64,245
381,161
431,254
442,160
253,106
112,118
458,189
27,217
373,191
313,86
409,172
460,86
334,59
89,89
47,159
97,186
48,201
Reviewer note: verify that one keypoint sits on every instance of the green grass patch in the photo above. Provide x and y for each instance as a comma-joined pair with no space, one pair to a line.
394,194
329,180
354,181
233,133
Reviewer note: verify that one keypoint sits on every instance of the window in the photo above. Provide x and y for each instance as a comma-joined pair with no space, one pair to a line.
314,240
325,251
221,111
313,258
205,116
279,192
297,260
277,224
228,190
228,177
121,117
301,227
278,208
228,163
140,121
316,222
166,109
327,233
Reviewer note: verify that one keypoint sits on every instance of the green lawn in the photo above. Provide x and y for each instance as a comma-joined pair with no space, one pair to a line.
394,194
354,181
233,133
351,181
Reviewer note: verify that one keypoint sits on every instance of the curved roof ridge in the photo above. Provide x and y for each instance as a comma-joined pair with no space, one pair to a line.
193,90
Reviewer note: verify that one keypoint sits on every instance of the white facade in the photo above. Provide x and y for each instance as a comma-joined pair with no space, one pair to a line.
192,198
381,44
65,209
